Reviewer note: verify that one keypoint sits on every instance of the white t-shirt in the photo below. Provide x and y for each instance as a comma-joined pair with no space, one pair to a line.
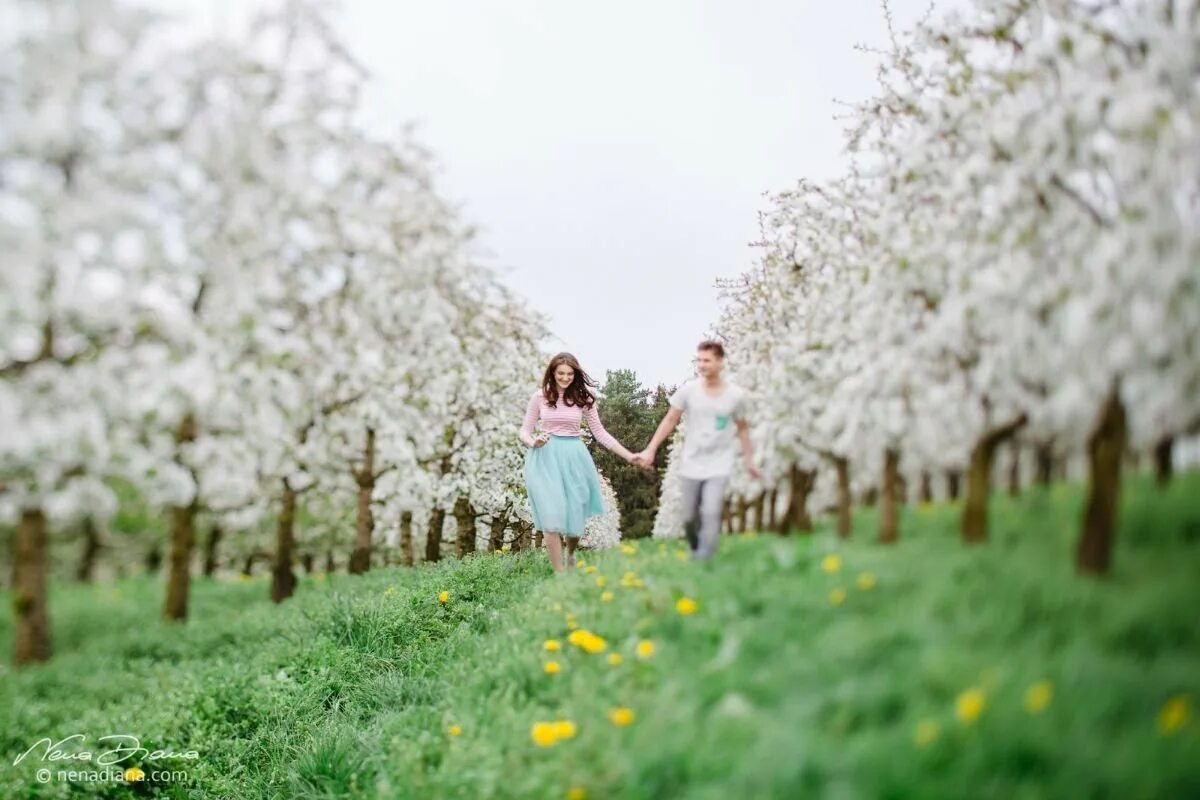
708,443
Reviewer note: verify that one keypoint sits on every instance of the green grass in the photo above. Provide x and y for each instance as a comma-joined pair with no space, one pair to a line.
768,690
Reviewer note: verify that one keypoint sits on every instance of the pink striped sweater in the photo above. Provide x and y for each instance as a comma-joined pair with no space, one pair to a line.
562,420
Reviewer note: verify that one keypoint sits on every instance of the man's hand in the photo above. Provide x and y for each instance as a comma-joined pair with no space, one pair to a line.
644,459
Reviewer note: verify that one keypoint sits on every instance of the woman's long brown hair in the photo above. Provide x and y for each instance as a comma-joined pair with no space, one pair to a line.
578,393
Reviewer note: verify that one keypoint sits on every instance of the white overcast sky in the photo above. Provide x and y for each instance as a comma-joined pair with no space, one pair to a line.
614,154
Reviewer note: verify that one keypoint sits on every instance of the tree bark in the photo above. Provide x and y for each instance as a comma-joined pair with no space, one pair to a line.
888,507
433,536
1105,446
183,523
800,483
31,640
842,466
406,538
1043,454
1163,467
742,508
757,507
283,580
91,549
979,473
926,491
308,561
953,484
1014,469
210,549
183,534
364,478
773,510
330,563
464,519
154,557
496,532
727,516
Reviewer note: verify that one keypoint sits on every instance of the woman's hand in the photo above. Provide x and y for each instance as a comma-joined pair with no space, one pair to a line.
540,440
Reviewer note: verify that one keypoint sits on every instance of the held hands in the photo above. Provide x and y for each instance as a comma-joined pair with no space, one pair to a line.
644,459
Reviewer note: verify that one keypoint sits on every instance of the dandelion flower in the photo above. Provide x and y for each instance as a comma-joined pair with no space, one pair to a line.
866,580
601,580
564,729
576,793
831,563
552,645
454,730
682,555
645,648
444,597
1038,696
553,668
621,716
969,705
1175,714
606,596
579,562
927,731
685,606
615,659
628,549
837,596
389,591
544,734
590,569
135,774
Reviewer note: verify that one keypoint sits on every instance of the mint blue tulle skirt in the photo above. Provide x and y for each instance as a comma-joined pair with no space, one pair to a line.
563,486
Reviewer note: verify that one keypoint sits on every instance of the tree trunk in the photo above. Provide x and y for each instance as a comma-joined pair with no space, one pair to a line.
757,507
283,580
926,491
1105,445
406,539
1043,454
364,478
91,548
248,565
154,557
870,497
183,534
1163,467
183,523
742,508
1014,469
464,520
31,640
901,489
953,484
210,549
727,516
330,563
308,561
433,536
888,507
524,536
800,483
496,532
979,473
537,540
773,510
842,466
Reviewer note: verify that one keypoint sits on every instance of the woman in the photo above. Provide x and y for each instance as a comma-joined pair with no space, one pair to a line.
560,475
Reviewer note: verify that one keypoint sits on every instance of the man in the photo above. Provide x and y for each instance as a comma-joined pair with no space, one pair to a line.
715,409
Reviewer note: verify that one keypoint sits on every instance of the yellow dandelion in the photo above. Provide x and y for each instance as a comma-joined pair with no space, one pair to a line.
544,734
1038,696
621,716
590,570
504,548
831,563
319,577
606,596
454,730
576,793
685,606
572,623
564,729
615,659
444,597
1175,714
682,555
866,580
579,562
601,580
628,549
837,596
553,668
645,648
662,547
556,607
552,645
969,705
389,591
927,731
135,774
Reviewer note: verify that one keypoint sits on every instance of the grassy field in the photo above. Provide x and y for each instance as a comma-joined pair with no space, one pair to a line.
790,667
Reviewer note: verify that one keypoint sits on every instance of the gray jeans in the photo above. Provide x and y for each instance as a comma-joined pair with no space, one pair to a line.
703,501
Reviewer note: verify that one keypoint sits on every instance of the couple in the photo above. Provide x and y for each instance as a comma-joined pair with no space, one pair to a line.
560,475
